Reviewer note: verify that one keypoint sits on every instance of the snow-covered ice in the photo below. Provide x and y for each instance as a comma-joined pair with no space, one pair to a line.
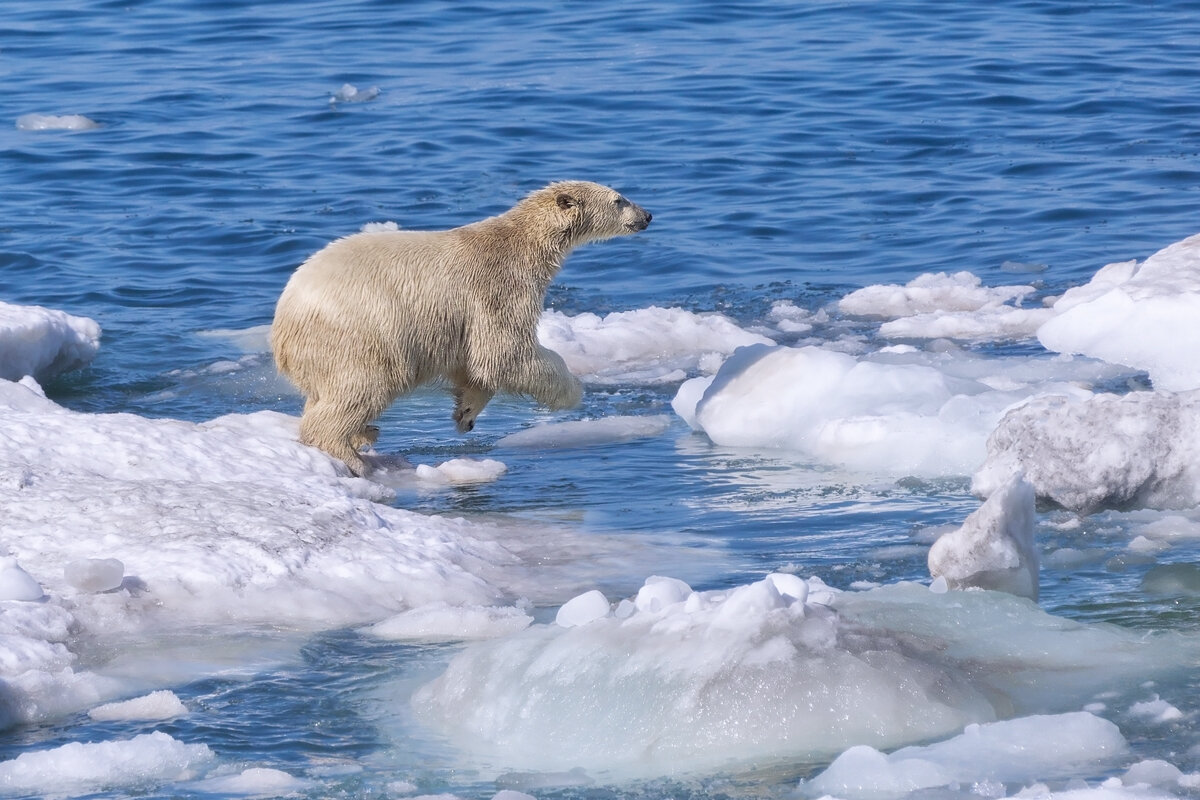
44,342
673,680
1144,315
646,345
1100,450
80,768
994,548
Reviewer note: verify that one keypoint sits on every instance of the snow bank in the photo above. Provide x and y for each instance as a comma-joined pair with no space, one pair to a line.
1093,451
994,548
76,769
44,342
784,669
1019,751
907,413
646,345
1146,317
587,432
52,122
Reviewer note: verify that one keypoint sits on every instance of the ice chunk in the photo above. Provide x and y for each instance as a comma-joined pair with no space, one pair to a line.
646,345
156,706
750,674
658,593
16,583
587,432
1014,751
135,764
1105,450
897,418
94,574
462,471
442,622
931,292
349,93
256,782
1156,710
1146,316
580,610
994,548
43,342
55,122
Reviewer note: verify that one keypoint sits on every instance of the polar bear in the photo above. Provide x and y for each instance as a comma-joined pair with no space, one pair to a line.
374,315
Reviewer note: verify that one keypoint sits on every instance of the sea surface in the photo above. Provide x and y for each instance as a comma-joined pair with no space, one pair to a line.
787,150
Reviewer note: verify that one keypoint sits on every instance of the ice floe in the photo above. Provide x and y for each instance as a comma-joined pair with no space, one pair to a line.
587,432
44,342
55,122
1144,315
674,680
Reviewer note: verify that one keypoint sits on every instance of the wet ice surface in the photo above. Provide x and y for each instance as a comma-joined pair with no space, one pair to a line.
806,655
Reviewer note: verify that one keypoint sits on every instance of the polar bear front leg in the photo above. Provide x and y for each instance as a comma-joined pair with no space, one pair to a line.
469,400
546,379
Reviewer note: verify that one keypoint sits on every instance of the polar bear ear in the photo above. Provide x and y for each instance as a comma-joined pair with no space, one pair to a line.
565,200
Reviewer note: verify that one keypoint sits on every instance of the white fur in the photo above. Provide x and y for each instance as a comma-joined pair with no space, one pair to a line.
374,315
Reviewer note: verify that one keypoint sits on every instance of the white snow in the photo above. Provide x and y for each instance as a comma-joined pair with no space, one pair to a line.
672,680
1017,751
156,706
44,342
1103,450
136,764
994,548
53,122
1145,316
644,346
587,432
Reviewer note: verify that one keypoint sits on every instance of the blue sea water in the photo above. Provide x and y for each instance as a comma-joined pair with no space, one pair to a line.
788,150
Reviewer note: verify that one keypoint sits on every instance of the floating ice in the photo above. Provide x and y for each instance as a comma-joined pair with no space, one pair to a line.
1017,751
1156,710
883,414
462,471
349,93
994,548
1103,450
156,706
52,122
135,764
442,622
43,342
1146,316
929,293
256,781
587,432
646,345
680,681
586,608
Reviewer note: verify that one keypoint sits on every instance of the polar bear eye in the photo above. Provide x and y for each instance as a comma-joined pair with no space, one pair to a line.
617,201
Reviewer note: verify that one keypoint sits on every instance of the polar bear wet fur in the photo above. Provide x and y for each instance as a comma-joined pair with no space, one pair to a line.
374,315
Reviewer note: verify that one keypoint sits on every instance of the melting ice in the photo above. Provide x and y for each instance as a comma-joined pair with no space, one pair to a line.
129,525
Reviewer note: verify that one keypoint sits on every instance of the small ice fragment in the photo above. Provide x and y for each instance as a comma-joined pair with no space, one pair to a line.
349,93
939,585
16,583
154,707
95,575
587,607
789,586
51,122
